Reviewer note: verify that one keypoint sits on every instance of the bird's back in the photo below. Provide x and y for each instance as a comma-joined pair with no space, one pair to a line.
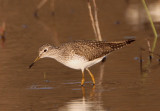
91,49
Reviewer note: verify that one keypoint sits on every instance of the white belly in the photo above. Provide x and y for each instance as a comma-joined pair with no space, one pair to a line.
78,62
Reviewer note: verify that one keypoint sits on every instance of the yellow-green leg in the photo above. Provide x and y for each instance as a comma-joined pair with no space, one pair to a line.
83,79
93,80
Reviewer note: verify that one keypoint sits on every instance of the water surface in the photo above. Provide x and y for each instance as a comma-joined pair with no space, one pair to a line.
48,86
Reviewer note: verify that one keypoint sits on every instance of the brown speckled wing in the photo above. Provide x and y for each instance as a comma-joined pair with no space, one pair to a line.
93,49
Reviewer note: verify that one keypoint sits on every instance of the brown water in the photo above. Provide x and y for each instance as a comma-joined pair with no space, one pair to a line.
51,86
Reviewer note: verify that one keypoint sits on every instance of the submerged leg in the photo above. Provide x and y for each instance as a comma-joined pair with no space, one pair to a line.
93,80
83,91
83,79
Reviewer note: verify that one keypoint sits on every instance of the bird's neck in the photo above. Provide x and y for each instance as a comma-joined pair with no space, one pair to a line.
55,54
59,55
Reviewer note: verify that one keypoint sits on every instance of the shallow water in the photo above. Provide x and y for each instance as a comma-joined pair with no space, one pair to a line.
48,86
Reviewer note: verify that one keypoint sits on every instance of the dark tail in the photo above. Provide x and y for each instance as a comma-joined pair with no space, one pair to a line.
129,41
120,44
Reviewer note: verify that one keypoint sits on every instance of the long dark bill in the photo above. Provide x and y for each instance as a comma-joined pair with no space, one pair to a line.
30,66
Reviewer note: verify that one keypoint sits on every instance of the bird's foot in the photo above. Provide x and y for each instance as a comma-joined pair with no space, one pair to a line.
82,85
93,84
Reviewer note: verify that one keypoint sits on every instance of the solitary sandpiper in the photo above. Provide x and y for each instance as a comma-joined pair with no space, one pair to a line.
80,54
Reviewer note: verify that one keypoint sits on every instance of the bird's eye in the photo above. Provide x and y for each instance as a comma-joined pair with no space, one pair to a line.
45,50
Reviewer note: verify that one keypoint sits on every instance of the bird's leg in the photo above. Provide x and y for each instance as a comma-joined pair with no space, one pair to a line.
83,91
83,79
93,80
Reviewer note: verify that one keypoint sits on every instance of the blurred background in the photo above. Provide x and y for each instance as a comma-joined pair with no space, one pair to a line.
125,82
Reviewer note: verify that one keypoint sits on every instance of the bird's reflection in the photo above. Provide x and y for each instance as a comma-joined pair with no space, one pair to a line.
88,102
85,103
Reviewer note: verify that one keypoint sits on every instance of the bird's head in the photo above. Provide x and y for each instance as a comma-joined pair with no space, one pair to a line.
44,51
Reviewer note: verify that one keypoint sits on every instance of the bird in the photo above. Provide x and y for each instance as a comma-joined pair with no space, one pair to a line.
81,54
